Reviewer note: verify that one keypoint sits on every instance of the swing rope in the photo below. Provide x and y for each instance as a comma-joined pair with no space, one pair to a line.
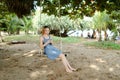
59,19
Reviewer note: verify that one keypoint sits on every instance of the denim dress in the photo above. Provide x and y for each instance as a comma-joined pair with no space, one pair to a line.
51,51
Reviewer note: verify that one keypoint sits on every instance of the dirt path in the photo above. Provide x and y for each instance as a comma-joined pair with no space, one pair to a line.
22,62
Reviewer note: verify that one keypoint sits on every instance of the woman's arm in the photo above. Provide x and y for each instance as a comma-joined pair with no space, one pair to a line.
41,43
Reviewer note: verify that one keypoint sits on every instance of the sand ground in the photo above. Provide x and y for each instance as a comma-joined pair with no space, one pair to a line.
23,62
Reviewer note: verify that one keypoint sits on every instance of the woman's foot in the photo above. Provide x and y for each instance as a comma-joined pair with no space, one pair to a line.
69,71
73,69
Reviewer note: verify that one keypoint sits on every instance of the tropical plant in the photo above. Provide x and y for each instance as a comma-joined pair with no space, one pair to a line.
86,24
115,15
58,25
27,24
13,24
73,8
100,21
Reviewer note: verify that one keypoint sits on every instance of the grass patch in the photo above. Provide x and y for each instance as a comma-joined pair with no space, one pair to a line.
67,39
35,38
104,45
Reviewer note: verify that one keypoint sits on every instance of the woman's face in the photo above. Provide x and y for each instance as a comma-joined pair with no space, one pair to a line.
46,31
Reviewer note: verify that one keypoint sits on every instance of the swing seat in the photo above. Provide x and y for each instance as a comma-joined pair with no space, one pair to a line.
41,52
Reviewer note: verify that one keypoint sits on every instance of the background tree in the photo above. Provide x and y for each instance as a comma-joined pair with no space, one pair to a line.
68,7
13,24
115,26
100,21
71,11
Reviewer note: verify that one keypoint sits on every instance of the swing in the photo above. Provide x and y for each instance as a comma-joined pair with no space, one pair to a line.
41,51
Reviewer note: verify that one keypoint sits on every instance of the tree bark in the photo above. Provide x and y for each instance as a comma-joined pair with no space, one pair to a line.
1,39
100,36
18,31
94,35
105,35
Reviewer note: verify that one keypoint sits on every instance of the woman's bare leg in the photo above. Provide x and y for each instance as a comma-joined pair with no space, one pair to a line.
71,68
65,64
68,64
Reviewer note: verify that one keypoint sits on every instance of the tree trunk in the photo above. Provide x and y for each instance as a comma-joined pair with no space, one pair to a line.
0,33
105,35
100,36
64,34
1,39
18,31
94,35
26,31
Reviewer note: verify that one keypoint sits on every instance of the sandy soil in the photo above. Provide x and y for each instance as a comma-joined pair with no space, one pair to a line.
23,62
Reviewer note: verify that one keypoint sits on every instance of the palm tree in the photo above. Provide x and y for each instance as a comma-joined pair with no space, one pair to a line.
100,21
27,24
13,23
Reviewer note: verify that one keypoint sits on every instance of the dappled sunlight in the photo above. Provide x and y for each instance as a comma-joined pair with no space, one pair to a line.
117,65
30,53
111,69
44,66
100,60
51,72
96,79
43,58
36,74
94,67
7,59
16,54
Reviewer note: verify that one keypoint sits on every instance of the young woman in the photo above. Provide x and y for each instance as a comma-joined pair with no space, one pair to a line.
51,51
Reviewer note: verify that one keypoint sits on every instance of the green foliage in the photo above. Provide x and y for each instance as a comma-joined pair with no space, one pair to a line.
86,24
73,8
67,39
27,24
79,8
13,24
71,40
104,45
71,12
63,23
115,15
101,20
19,7
3,13
3,9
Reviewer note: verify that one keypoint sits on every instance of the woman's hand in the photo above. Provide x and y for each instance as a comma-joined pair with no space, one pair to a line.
51,41
48,41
